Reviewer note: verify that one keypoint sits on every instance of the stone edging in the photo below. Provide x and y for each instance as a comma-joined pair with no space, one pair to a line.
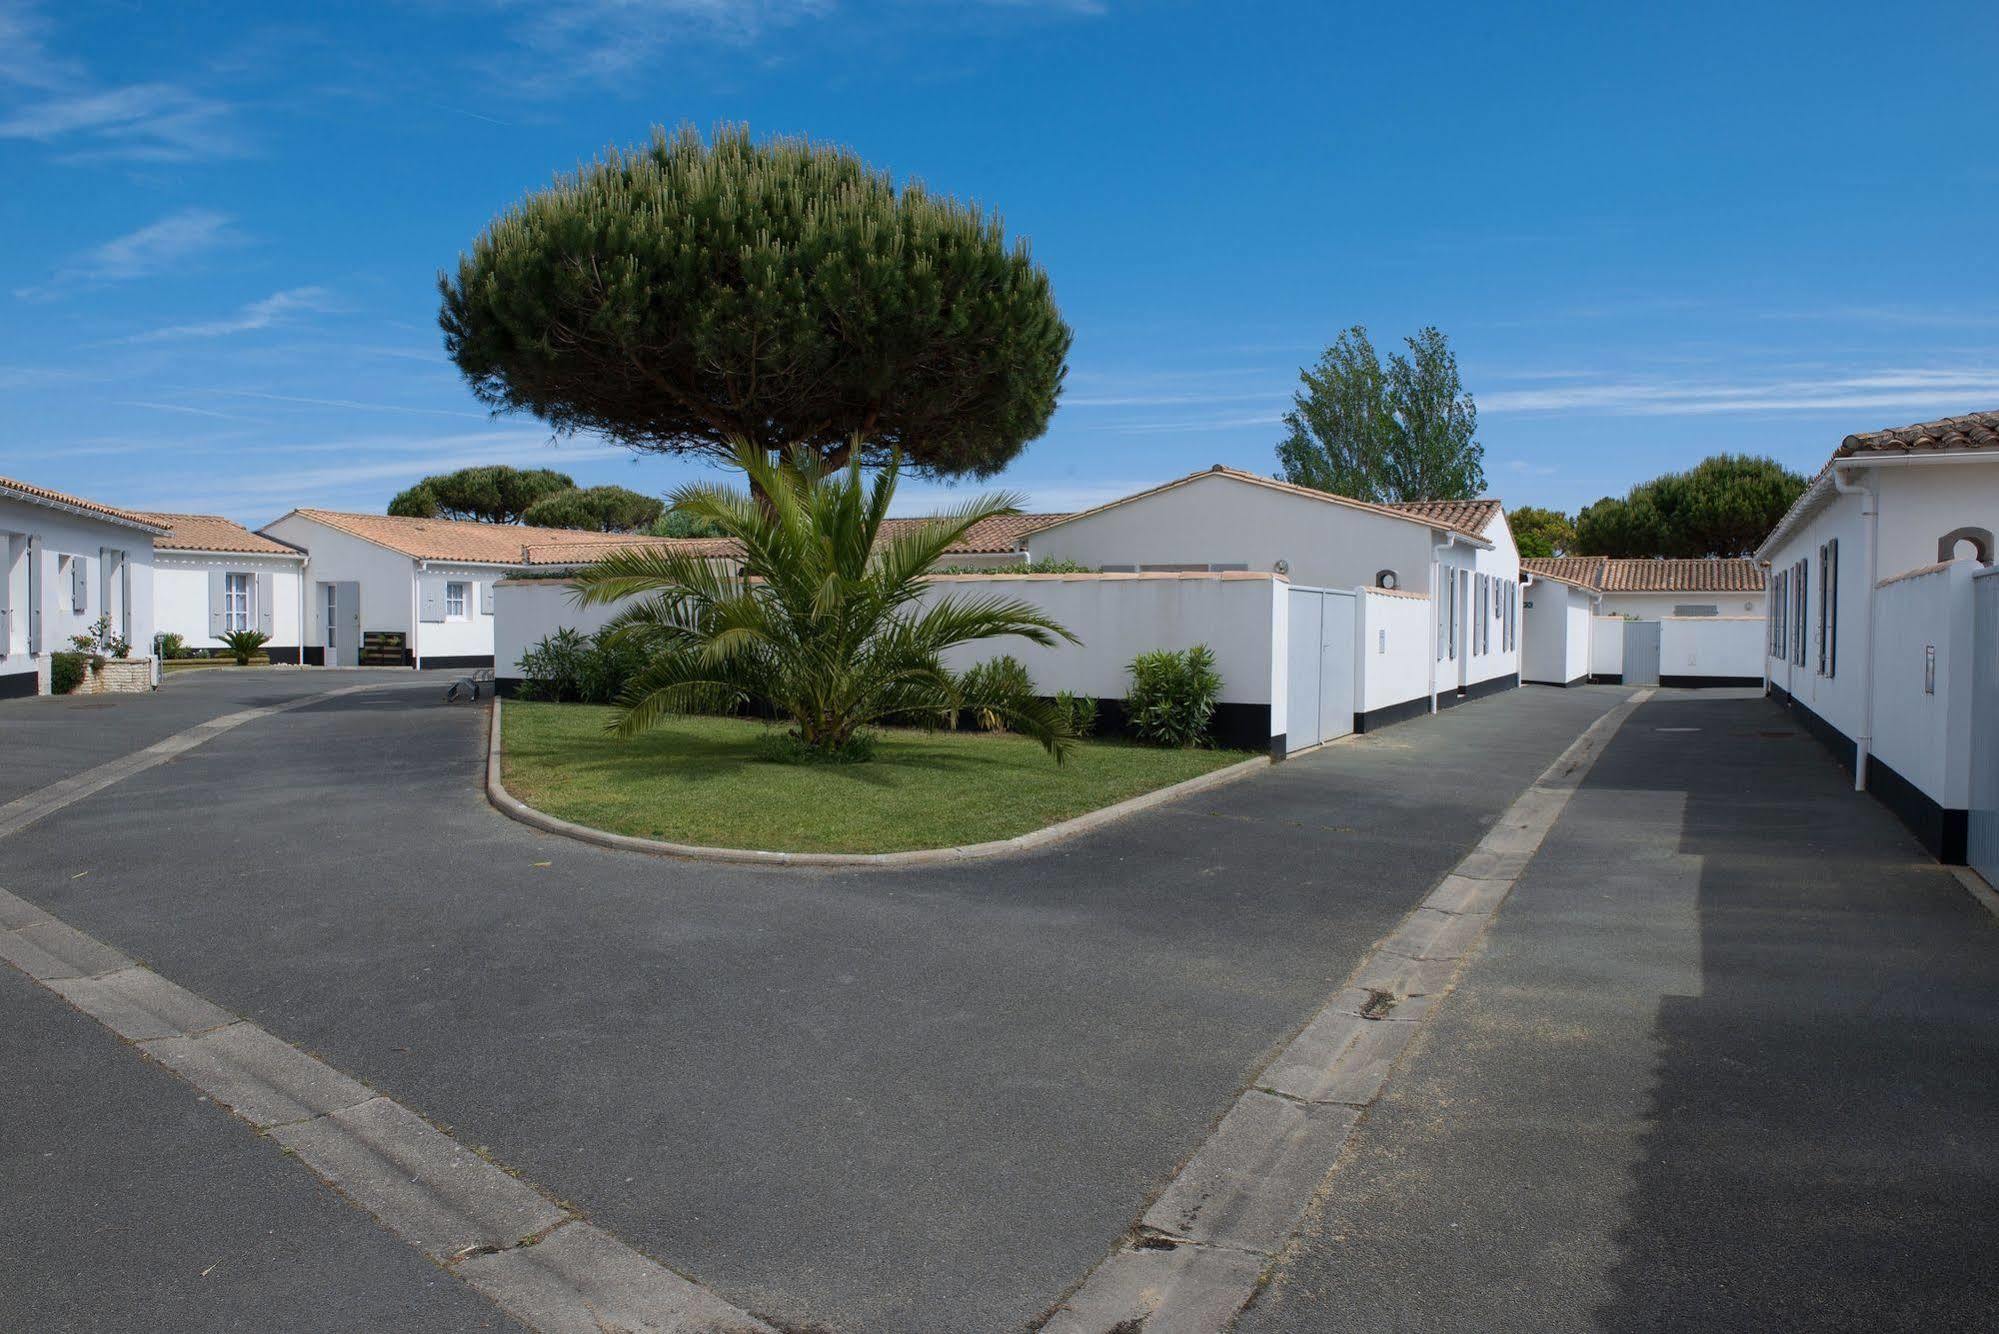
514,808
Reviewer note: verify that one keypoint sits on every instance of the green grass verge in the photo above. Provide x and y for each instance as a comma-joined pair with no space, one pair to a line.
698,780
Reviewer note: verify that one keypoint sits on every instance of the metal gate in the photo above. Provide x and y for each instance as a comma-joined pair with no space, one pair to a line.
1982,841
1641,653
1319,701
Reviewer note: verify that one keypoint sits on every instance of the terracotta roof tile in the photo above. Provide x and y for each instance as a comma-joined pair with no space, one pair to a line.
1974,430
212,532
1467,516
1613,575
29,491
449,539
987,537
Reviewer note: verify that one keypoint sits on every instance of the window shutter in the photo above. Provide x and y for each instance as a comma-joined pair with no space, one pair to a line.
34,595
486,596
432,597
79,584
260,593
1829,591
217,603
6,595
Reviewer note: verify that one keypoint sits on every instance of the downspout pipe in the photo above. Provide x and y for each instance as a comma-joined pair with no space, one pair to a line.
1870,512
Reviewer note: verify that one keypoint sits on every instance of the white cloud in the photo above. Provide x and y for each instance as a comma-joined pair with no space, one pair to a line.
1916,390
138,122
573,40
154,248
273,309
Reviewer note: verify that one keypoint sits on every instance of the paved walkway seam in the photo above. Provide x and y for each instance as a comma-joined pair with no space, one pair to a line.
21,812
1202,1249
514,808
536,1259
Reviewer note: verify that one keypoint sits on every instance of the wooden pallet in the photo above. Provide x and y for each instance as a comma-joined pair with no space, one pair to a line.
384,648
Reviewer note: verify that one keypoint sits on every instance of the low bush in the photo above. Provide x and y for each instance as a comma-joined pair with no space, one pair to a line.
993,689
1173,696
790,748
172,647
242,645
98,643
1078,712
569,666
1031,567
66,671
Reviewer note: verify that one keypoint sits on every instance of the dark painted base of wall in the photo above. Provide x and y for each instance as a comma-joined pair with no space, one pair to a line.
1606,678
1376,719
1565,685
315,656
1389,714
284,657
1944,832
17,685
1702,682
462,661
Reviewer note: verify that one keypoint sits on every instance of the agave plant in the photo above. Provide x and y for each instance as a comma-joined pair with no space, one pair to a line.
243,644
824,621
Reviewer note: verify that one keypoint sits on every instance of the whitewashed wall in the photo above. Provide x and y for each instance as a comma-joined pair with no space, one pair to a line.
1655,606
439,637
1923,734
181,594
387,579
1394,649
78,538
1606,654
1555,633
1712,646
526,611
1216,519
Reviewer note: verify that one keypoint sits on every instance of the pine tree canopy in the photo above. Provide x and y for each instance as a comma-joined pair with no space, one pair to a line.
690,295
492,494
1541,532
1723,506
608,509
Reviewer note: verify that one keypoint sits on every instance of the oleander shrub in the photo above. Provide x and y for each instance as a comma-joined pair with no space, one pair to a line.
568,666
1173,696
66,671
1079,712
172,647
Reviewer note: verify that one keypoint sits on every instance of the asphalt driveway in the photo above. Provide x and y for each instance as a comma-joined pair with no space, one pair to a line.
920,1100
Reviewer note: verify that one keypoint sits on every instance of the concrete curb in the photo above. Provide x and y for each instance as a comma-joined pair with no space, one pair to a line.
514,808
1201,1250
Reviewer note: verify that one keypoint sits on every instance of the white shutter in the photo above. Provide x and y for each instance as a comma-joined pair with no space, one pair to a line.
218,603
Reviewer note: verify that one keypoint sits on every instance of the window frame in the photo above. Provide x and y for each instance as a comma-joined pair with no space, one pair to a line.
464,599
239,611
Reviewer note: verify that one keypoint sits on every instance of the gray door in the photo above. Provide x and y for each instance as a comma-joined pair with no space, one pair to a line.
1641,653
1319,691
340,623
1301,726
1983,841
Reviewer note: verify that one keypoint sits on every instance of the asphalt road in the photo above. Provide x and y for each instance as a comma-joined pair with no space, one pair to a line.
920,1100
1729,1060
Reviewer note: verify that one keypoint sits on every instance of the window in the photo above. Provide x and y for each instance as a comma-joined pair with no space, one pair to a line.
1697,609
332,615
455,597
235,602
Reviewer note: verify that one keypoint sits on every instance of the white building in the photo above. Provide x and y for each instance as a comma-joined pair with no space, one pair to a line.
212,577
1655,622
388,591
1458,554
65,562
1870,632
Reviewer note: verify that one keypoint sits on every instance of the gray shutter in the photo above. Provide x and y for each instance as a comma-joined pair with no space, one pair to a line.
6,595
79,584
217,602
34,596
260,592
432,587
486,596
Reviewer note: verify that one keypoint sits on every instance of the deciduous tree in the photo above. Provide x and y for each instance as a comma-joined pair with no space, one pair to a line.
1541,532
1404,430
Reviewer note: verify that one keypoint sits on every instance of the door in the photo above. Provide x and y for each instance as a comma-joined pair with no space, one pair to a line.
1319,691
1641,653
1982,841
340,623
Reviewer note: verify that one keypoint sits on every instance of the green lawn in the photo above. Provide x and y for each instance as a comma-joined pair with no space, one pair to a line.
697,780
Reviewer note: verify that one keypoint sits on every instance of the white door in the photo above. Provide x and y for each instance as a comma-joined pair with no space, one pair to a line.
1319,689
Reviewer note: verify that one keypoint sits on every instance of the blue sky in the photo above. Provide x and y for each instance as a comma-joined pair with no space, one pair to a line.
1650,236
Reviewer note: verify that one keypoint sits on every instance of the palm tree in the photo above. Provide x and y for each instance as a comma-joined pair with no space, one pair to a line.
822,620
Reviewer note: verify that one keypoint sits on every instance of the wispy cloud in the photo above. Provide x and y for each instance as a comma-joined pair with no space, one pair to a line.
137,122
353,405
571,41
187,409
1917,390
154,248
273,309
